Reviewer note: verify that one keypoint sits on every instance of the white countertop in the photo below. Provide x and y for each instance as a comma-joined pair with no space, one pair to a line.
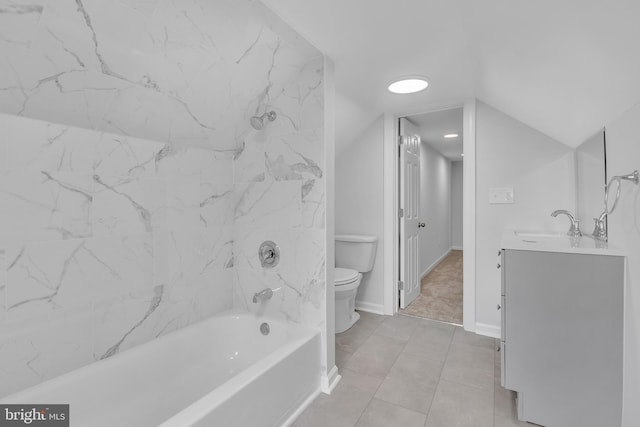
556,242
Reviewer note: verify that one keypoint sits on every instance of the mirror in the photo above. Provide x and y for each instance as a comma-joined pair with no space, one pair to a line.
591,179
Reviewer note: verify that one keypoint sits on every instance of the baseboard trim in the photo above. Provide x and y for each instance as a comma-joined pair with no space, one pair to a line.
330,381
456,248
485,329
435,263
370,307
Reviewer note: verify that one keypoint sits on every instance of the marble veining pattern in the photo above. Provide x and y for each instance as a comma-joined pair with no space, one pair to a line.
147,79
108,229
135,192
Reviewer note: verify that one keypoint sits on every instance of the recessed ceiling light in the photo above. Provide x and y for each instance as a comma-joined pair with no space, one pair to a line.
461,154
451,135
406,85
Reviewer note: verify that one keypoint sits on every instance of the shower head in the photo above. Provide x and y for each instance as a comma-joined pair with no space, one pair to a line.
258,122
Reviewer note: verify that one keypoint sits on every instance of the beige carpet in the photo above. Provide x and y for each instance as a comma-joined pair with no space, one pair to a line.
441,292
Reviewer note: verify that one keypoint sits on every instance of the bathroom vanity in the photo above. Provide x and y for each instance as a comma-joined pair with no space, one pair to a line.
562,328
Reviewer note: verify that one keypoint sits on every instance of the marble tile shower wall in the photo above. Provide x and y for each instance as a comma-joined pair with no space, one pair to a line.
280,196
135,202
107,241
185,72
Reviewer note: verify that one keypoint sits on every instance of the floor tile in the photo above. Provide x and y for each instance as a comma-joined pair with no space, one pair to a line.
371,318
321,413
470,365
366,383
384,414
431,339
351,339
501,421
437,376
342,357
376,356
465,337
411,382
412,368
458,405
407,395
344,406
399,327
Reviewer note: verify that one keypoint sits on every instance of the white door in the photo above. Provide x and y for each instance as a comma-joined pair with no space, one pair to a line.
410,212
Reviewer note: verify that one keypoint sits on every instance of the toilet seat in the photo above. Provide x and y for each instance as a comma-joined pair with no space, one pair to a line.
345,276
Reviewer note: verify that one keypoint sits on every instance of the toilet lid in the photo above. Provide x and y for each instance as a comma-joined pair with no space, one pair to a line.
344,276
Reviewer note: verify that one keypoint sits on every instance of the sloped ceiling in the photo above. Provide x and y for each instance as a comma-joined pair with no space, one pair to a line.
563,67
434,125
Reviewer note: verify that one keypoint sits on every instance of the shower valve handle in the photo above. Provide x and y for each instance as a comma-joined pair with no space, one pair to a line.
269,254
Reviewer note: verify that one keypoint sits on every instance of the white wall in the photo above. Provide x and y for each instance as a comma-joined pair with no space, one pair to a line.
623,156
435,208
541,171
359,207
456,205
590,179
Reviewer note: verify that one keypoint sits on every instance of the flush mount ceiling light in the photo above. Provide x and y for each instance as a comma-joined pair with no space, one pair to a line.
451,135
406,85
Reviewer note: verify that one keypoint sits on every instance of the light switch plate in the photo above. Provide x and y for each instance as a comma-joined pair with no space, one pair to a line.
501,195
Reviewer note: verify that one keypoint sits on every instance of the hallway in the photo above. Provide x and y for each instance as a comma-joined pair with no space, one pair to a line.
440,292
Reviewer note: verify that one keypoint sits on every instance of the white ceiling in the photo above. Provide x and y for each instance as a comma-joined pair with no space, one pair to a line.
564,67
433,126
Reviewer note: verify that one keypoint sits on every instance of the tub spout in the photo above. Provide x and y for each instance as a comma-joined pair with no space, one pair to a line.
263,295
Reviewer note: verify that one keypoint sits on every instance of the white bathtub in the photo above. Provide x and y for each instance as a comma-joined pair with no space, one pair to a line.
219,372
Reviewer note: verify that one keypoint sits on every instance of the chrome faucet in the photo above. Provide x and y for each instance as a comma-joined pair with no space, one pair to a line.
574,230
600,229
263,295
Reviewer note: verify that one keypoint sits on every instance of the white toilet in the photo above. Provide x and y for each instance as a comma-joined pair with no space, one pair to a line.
355,254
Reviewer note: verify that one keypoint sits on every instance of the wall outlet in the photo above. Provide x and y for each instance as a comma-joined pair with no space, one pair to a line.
501,195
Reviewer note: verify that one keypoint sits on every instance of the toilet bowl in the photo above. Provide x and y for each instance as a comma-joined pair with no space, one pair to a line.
355,255
346,287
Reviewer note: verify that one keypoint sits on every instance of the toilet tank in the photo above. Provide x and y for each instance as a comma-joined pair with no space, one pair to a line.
357,252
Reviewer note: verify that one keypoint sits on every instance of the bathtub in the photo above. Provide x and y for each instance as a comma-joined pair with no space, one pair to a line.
219,372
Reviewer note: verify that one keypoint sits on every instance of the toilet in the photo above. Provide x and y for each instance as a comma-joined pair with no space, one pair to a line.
355,255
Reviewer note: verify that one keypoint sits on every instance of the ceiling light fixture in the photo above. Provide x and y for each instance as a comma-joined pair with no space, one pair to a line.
407,85
451,135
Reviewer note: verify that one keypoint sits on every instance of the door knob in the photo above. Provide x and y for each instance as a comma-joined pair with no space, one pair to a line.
421,224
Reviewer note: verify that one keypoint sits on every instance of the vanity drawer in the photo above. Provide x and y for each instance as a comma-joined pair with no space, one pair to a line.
503,316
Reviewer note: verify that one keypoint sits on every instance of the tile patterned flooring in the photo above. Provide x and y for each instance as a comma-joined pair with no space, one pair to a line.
409,372
440,295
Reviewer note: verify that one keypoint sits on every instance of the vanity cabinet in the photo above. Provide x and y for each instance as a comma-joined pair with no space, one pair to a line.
562,336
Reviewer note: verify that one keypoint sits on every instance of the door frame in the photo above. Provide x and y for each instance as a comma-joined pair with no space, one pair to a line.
392,206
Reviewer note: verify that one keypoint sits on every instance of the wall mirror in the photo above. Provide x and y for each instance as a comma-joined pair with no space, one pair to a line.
591,178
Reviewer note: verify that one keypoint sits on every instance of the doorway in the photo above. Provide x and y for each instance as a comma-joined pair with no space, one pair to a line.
437,269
